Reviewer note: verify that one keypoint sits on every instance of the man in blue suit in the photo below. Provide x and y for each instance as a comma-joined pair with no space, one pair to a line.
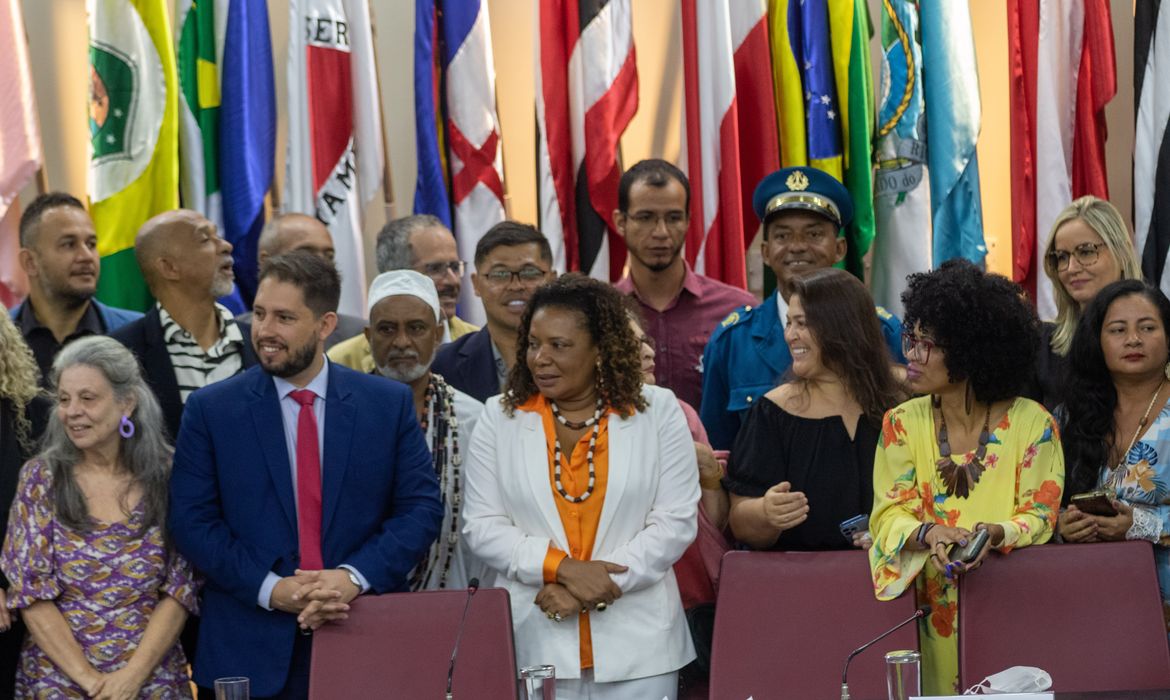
297,486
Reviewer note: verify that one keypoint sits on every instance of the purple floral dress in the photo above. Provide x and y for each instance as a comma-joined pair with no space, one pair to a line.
105,582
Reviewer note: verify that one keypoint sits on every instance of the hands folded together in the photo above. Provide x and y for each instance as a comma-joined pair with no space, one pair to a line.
580,585
315,597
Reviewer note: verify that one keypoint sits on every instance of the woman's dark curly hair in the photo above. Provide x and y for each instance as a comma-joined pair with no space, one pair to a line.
988,333
839,311
608,324
1092,398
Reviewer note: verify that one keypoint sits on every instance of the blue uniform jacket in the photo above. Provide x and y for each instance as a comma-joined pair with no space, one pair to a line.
746,357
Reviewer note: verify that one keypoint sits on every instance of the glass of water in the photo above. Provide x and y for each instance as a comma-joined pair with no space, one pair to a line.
903,679
540,682
233,688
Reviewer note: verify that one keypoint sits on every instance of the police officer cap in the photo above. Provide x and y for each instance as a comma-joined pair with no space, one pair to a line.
803,188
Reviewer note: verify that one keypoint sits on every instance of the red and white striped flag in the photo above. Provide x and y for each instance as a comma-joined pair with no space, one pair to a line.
586,94
20,144
335,156
730,133
1063,83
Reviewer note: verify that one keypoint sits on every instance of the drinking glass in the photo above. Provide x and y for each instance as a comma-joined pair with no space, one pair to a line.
233,688
902,674
540,682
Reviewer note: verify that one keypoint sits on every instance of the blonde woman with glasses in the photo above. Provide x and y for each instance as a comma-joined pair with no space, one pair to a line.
1088,248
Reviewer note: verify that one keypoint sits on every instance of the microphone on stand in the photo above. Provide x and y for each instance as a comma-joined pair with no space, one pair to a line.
918,615
472,587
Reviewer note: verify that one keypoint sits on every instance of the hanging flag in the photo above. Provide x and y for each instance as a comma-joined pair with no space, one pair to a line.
850,33
1065,86
133,122
1023,30
902,183
806,87
335,157
715,239
1151,155
247,135
951,93
824,96
587,92
199,98
20,145
463,120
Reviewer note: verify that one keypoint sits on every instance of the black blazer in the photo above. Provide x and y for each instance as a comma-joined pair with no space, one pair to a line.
144,338
469,365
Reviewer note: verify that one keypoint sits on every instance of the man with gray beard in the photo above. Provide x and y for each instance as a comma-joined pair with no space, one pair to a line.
187,340
404,332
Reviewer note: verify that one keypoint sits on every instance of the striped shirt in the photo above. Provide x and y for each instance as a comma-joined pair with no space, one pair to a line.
196,368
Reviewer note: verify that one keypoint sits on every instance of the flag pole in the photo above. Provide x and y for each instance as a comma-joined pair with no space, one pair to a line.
503,164
388,203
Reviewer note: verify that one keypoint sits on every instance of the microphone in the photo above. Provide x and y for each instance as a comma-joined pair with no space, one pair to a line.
918,615
472,587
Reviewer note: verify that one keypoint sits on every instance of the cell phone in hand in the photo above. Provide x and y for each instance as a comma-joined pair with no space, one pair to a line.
1095,503
970,551
854,525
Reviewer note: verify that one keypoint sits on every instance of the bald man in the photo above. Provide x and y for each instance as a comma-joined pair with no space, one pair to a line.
289,232
187,340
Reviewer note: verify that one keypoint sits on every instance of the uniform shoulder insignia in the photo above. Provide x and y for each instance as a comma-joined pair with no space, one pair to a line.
732,318
883,314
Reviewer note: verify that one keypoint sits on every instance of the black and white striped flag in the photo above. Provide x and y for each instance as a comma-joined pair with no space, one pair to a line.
1151,157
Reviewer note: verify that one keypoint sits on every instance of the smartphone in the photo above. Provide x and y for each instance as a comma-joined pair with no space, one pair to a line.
971,551
854,525
1095,503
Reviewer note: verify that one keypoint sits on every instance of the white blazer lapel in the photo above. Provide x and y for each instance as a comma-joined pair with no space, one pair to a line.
534,453
622,436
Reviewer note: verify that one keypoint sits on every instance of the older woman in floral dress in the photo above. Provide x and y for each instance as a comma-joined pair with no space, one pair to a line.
103,596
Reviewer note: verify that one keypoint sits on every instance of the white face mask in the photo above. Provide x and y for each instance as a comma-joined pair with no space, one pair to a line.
1017,679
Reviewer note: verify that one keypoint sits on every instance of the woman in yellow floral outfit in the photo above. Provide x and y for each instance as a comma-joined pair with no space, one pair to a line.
968,454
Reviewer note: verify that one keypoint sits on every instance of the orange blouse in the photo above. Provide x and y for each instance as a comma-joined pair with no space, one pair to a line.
580,520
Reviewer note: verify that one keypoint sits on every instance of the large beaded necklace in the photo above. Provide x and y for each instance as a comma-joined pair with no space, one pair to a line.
960,479
595,421
439,402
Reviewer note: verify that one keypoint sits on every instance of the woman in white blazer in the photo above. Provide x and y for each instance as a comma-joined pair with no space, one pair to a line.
582,492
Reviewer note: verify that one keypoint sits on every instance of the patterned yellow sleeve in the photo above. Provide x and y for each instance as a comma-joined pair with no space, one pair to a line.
897,511
1039,482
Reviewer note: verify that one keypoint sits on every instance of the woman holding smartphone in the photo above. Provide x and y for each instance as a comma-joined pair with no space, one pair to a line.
802,463
968,455
1117,430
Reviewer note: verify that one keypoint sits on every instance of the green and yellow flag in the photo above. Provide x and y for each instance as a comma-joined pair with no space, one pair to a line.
133,121
824,97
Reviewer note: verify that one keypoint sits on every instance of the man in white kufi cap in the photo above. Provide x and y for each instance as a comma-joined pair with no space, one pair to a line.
404,332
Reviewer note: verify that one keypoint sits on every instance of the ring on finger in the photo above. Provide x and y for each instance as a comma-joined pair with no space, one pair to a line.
549,614
557,617
601,606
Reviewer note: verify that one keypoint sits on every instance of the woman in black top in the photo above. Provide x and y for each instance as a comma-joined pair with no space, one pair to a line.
803,460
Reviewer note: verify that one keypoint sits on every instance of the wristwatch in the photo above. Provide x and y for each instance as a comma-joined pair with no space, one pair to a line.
353,578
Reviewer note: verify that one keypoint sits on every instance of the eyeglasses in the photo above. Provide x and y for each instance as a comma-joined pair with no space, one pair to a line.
671,219
439,269
1086,254
912,344
527,276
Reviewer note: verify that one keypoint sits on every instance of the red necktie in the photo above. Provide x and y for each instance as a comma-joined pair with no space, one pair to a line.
308,482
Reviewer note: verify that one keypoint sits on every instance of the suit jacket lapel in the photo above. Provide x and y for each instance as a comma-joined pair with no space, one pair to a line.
621,437
534,448
161,370
481,365
339,413
269,427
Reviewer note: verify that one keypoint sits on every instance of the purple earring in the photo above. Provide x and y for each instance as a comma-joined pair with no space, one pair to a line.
126,427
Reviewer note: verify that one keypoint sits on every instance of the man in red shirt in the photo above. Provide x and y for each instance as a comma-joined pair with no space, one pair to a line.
681,307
